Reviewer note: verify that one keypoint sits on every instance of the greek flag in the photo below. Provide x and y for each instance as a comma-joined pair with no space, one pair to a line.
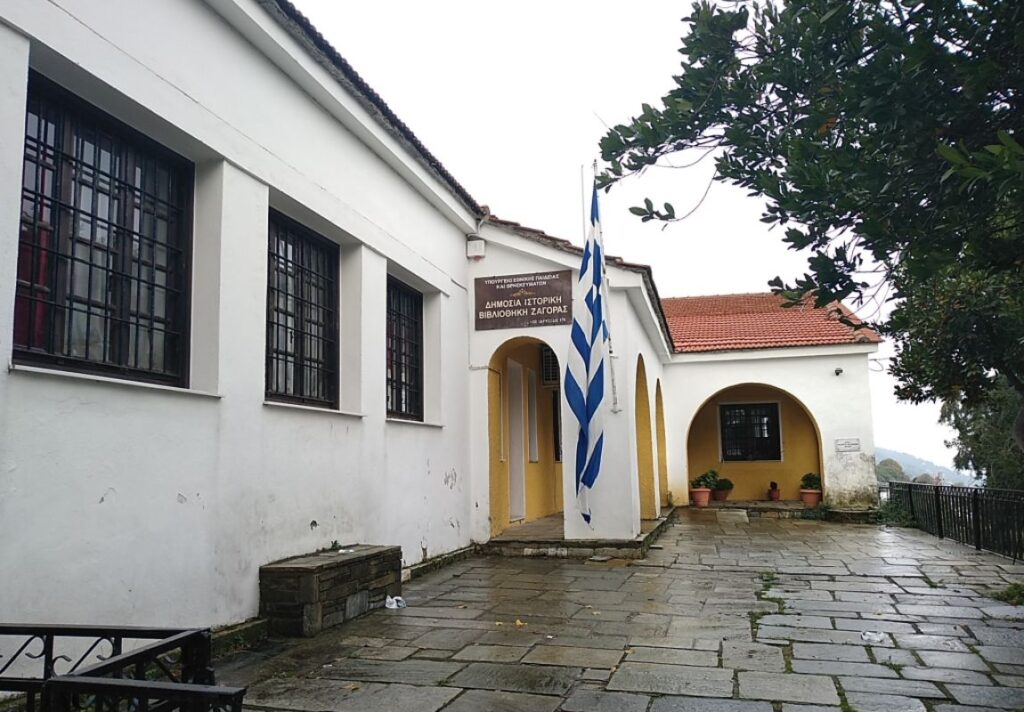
584,374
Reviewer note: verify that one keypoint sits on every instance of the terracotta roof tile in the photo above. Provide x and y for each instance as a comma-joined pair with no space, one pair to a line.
730,322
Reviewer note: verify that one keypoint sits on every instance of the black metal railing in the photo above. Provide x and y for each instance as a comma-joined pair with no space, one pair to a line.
86,669
989,519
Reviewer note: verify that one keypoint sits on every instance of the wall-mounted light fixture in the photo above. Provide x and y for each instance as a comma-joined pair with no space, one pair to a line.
476,249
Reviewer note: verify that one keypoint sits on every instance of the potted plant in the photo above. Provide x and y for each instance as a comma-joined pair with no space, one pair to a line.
720,492
774,493
810,489
700,493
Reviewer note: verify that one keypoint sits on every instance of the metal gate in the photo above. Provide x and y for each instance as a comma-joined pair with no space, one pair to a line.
58,668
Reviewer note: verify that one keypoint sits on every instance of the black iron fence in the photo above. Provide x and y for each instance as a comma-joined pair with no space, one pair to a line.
984,518
53,668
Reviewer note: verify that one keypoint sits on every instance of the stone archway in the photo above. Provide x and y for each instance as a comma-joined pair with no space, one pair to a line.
754,434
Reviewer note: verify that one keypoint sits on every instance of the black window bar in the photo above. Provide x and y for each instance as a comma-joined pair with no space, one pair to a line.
302,308
750,432
404,351
102,274
550,373
556,423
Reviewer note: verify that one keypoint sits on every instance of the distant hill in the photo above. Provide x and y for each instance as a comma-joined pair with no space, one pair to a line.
914,466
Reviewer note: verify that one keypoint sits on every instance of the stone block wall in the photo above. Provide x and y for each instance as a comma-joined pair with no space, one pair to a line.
303,595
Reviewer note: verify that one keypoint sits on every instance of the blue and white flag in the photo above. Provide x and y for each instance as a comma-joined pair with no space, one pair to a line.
584,374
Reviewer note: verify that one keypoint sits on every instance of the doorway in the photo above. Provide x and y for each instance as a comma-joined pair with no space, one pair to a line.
516,454
524,413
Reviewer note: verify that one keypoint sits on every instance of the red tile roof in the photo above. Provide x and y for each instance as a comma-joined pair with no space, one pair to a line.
731,322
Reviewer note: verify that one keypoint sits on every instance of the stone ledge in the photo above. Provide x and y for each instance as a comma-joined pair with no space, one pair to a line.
302,595
320,560
436,562
852,516
247,634
581,548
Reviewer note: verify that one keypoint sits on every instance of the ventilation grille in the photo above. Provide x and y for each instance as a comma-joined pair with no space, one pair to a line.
549,373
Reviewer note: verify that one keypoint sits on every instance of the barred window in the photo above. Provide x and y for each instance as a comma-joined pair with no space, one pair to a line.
404,351
302,306
750,432
102,275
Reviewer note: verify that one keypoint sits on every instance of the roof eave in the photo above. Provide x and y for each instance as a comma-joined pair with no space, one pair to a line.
268,23
302,29
790,351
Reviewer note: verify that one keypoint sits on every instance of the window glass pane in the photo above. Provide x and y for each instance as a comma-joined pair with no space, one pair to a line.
302,329
404,351
750,431
87,293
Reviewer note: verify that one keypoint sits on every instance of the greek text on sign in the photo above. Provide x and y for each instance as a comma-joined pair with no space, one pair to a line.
847,444
516,301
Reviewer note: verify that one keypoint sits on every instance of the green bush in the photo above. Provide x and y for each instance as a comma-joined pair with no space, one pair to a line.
893,514
709,479
810,481
724,483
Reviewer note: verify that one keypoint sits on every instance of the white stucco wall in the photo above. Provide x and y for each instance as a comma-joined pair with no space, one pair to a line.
839,405
130,504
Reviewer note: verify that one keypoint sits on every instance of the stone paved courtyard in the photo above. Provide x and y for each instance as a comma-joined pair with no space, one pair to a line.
726,614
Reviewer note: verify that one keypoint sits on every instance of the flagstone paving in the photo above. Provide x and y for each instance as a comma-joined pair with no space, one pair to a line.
725,615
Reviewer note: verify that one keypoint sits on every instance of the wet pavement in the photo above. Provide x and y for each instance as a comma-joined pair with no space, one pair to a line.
726,614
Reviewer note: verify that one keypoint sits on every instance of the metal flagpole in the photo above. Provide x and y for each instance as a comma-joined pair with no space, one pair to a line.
584,213
607,314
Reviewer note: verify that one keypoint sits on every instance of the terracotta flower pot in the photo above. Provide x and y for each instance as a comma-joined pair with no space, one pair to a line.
720,495
811,498
699,496
774,494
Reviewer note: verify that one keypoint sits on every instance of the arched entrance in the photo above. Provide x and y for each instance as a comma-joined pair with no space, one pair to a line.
659,427
524,432
754,434
644,450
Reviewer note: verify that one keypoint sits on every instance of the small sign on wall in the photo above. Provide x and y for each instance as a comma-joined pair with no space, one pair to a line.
516,301
847,444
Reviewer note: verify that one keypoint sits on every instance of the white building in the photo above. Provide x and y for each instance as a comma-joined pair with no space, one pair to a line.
241,324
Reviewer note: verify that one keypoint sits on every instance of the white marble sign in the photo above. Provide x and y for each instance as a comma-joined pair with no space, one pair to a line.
847,444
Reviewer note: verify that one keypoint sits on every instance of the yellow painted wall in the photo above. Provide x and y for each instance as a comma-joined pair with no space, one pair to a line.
544,477
644,449
800,452
659,425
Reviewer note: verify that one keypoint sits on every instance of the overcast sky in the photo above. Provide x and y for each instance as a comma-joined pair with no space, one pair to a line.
513,98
